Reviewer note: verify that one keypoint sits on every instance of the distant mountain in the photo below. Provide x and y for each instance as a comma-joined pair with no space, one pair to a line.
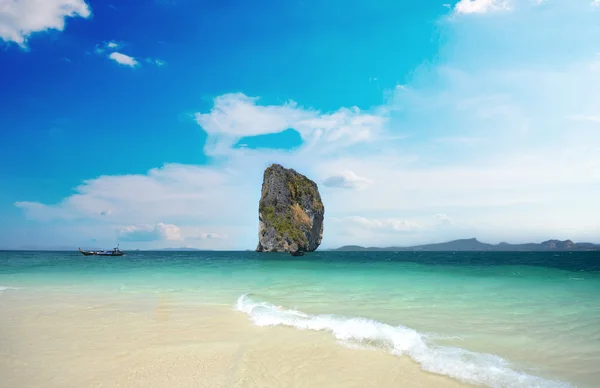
474,245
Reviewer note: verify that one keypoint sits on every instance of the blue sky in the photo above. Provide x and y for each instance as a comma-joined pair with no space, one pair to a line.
150,123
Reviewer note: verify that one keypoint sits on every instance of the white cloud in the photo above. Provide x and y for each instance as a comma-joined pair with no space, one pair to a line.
482,6
170,191
158,232
346,180
123,59
21,18
107,46
236,115
384,225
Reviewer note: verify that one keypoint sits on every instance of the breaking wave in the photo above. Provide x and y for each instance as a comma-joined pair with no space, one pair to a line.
464,365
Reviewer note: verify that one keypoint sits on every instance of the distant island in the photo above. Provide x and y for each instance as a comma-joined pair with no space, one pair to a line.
474,245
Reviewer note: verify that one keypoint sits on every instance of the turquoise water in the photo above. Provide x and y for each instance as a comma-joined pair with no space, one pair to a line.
492,319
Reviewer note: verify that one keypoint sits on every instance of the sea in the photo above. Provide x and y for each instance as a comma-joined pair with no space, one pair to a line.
488,319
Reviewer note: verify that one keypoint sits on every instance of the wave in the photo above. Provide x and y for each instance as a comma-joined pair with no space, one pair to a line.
464,365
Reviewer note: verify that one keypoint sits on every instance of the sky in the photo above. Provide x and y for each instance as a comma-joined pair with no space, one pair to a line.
149,123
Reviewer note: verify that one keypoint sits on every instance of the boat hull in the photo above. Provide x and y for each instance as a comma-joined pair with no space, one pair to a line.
115,252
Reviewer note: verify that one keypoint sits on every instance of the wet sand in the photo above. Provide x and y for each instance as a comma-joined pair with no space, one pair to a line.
74,340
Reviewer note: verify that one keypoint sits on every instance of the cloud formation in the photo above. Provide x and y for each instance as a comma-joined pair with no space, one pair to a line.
123,59
158,232
482,6
112,46
107,46
346,180
236,115
384,225
19,19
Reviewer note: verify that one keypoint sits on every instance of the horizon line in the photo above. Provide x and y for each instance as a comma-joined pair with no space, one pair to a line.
180,249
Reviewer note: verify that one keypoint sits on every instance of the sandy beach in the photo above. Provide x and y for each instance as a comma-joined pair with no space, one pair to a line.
69,340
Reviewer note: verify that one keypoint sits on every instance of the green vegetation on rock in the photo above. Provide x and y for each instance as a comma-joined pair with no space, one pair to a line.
283,224
290,211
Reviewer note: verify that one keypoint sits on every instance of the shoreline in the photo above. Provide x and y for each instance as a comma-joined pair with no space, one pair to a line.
67,340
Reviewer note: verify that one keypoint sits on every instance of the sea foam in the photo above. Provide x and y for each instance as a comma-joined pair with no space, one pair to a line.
4,288
469,367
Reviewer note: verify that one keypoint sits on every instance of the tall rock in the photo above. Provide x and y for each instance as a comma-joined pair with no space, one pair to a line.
290,212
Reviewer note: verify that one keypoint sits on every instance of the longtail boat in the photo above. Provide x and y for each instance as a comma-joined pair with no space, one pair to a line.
114,252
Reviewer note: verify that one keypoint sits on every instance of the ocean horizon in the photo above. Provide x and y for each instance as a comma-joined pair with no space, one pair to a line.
459,245
491,319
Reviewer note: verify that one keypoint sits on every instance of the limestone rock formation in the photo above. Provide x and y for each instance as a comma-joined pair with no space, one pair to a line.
290,212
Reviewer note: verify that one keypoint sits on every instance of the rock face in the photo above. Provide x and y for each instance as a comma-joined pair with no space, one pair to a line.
557,244
290,212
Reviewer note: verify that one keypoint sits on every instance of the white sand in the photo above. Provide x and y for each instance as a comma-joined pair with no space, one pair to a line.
69,340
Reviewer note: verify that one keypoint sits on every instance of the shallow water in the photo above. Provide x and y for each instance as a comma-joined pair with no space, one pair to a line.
491,319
